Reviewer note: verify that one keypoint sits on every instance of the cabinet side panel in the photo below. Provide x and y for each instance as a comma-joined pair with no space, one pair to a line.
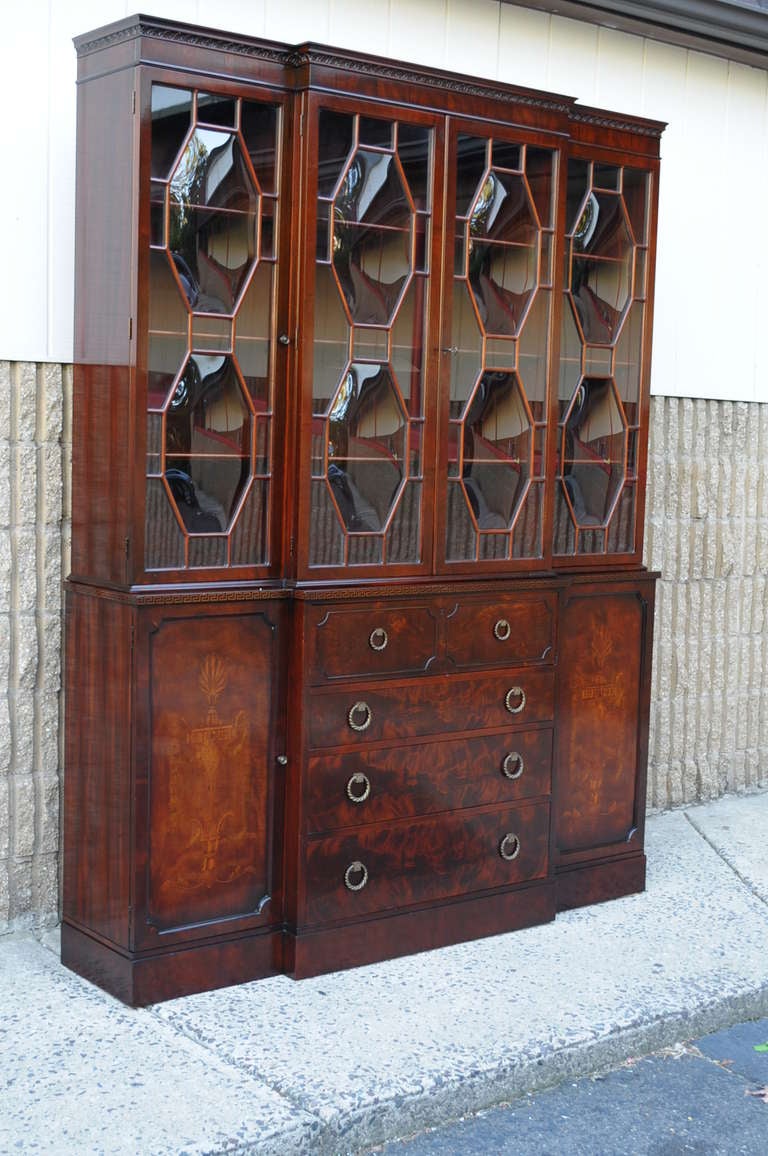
97,812
102,425
601,652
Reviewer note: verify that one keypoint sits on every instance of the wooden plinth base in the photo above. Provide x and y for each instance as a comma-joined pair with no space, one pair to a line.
143,979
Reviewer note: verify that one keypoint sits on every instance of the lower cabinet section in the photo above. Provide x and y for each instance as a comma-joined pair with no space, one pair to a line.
470,786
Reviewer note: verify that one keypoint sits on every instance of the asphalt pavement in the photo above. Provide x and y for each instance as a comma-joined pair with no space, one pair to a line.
707,1096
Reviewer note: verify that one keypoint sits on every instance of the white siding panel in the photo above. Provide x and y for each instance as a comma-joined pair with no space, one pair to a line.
619,71
665,99
24,186
703,361
364,27
417,31
523,46
291,20
572,63
244,16
472,37
744,232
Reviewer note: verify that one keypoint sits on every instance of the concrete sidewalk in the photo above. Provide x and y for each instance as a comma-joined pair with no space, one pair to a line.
342,1062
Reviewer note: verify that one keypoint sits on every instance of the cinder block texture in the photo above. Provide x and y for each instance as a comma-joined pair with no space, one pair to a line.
707,532
33,403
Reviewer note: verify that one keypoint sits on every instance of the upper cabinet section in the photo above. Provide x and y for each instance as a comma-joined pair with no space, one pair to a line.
344,318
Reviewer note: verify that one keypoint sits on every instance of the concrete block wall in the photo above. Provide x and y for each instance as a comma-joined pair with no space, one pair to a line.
34,519
707,531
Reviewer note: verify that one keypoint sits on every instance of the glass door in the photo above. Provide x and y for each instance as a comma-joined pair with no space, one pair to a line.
497,341
368,366
210,352
602,359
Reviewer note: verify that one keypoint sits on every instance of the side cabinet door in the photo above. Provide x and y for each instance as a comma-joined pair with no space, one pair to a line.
207,804
605,638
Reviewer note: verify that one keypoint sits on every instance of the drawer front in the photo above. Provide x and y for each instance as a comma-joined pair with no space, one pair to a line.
398,864
502,630
372,642
364,786
430,707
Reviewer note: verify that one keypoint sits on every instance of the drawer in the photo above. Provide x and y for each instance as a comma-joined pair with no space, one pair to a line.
435,706
502,630
394,865
364,786
373,641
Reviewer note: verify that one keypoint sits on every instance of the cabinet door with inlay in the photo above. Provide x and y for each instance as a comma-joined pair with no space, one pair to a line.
205,783
605,640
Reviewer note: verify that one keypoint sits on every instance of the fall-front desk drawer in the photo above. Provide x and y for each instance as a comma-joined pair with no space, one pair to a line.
365,786
392,711
394,865
501,629
378,640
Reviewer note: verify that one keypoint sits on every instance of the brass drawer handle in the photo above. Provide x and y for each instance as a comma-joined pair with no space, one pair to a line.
356,876
509,847
360,716
378,639
358,787
515,693
513,765
502,630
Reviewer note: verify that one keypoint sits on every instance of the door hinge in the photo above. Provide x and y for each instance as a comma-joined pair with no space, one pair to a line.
133,102
292,547
130,329
127,555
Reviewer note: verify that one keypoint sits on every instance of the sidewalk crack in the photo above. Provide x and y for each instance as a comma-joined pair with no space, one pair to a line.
722,856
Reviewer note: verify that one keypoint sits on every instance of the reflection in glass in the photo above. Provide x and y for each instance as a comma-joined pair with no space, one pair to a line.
594,451
259,126
336,134
207,444
168,329
497,450
372,237
215,109
212,230
503,253
171,113
601,270
471,163
367,431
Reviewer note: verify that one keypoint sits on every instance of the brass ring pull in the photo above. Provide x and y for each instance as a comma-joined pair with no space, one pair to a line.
378,639
358,787
513,765
502,630
509,847
360,716
514,693
356,876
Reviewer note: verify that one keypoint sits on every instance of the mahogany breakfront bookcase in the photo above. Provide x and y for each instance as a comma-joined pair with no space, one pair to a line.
358,633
